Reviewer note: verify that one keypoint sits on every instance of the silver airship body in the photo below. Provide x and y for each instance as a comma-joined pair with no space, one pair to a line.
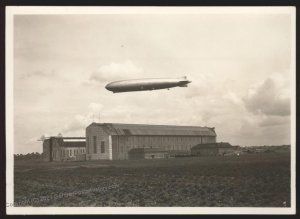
146,84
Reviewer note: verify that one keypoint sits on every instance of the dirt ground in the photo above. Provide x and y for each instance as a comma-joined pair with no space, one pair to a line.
250,180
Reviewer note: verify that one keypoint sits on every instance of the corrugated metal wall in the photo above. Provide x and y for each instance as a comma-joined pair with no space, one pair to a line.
122,144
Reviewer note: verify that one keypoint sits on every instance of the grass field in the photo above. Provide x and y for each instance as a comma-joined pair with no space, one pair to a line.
250,180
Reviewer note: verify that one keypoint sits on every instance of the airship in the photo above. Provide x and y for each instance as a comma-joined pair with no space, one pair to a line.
146,84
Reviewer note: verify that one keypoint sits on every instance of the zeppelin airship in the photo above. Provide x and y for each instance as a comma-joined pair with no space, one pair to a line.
146,84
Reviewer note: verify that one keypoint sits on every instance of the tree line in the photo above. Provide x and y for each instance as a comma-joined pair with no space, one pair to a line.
28,156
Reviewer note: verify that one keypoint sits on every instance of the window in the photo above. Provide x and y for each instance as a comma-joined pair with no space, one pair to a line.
71,152
102,147
95,144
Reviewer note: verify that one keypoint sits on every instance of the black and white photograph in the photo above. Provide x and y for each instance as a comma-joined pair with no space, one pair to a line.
150,110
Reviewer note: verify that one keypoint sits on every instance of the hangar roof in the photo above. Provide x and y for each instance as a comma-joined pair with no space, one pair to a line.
72,142
143,129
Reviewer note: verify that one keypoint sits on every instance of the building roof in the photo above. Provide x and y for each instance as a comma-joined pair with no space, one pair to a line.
213,145
143,129
73,142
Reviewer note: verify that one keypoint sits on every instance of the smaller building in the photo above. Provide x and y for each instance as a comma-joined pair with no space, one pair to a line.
213,149
64,149
147,153
179,153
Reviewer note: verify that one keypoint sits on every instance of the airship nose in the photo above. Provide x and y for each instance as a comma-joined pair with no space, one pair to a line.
189,82
108,87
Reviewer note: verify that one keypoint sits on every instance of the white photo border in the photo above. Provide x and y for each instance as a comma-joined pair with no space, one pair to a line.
11,11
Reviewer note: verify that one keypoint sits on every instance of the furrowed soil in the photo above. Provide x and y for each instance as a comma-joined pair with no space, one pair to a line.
250,180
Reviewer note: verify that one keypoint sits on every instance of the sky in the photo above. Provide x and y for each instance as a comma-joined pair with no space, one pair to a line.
239,65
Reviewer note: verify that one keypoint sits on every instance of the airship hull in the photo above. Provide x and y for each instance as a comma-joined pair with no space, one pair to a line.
145,84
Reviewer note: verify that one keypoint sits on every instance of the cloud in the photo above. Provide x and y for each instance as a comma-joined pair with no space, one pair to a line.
40,74
38,138
270,97
116,71
95,107
200,86
274,121
233,98
221,62
32,140
80,122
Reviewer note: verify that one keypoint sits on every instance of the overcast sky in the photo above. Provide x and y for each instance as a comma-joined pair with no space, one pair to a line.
239,65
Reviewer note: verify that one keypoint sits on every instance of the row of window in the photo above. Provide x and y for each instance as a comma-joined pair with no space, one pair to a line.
166,147
67,152
160,139
71,152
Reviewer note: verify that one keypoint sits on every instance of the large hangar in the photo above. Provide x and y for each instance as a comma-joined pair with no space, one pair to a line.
113,141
